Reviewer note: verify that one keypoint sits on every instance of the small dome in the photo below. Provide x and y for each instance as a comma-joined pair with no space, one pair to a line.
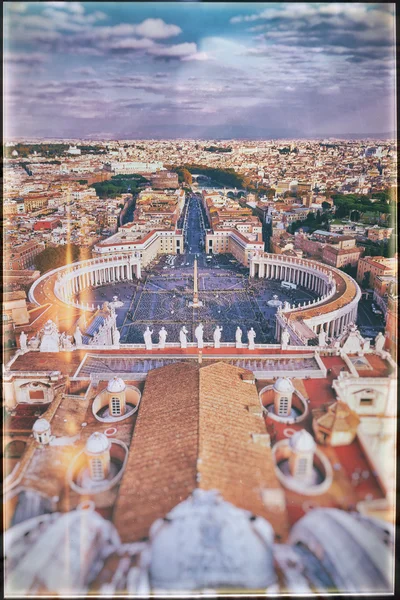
97,443
302,441
41,425
116,385
283,385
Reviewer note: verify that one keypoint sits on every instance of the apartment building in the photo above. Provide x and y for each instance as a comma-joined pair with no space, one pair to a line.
376,266
22,255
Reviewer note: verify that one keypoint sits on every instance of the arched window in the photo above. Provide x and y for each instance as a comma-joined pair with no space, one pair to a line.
115,406
283,406
15,449
96,469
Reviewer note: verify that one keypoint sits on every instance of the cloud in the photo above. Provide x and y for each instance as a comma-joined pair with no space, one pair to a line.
26,58
157,29
197,56
176,51
127,44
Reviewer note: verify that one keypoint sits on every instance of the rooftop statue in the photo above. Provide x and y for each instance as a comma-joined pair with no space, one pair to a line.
162,335
238,337
251,334
78,336
285,337
50,338
198,332
379,342
147,338
22,341
322,338
183,337
217,336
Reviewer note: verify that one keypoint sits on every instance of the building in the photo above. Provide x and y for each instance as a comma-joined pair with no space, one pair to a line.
377,234
22,255
163,180
375,266
132,168
34,202
178,511
341,257
47,224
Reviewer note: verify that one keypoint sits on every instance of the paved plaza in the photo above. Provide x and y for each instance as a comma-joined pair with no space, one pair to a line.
229,297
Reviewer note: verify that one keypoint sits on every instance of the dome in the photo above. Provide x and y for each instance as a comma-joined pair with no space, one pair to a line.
97,443
283,385
41,425
205,542
116,385
53,550
302,441
356,551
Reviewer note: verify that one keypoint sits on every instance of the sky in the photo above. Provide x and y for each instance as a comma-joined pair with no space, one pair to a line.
205,70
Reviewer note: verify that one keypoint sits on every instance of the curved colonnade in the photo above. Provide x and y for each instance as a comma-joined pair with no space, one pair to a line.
335,307
72,279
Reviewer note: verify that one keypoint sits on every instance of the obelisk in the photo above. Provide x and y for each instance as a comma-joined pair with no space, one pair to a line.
196,303
195,289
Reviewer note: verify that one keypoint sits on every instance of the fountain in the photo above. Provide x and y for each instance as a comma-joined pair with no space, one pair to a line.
116,303
275,302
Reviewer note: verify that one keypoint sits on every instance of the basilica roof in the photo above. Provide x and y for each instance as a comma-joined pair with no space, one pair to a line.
197,427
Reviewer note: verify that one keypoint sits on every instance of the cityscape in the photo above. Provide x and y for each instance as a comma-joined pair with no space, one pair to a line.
199,299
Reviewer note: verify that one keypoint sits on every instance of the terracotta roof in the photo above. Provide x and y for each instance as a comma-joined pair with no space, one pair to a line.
161,467
66,362
194,429
339,417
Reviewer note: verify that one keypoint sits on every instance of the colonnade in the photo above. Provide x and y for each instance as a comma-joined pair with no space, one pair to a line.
306,322
72,279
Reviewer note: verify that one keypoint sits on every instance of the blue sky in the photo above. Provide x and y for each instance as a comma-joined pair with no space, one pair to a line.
198,70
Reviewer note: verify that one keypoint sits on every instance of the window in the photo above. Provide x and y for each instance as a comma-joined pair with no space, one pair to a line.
301,466
96,468
366,401
115,406
283,406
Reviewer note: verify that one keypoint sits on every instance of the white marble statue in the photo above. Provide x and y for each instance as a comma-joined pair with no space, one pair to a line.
217,336
183,337
251,334
116,336
22,341
285,337
50,338
322,338
162,337
198,333
238,337
78,336
66,341
147,338
379,342
34,342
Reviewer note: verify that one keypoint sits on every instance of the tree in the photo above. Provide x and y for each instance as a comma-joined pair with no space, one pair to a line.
366,282
325,206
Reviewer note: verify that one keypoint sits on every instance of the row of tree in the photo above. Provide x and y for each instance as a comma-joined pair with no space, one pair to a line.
58,256
118,184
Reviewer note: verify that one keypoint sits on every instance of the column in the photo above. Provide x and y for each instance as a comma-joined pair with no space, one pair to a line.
261,270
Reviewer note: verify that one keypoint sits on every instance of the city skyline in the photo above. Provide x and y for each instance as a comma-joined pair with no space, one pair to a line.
198,70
